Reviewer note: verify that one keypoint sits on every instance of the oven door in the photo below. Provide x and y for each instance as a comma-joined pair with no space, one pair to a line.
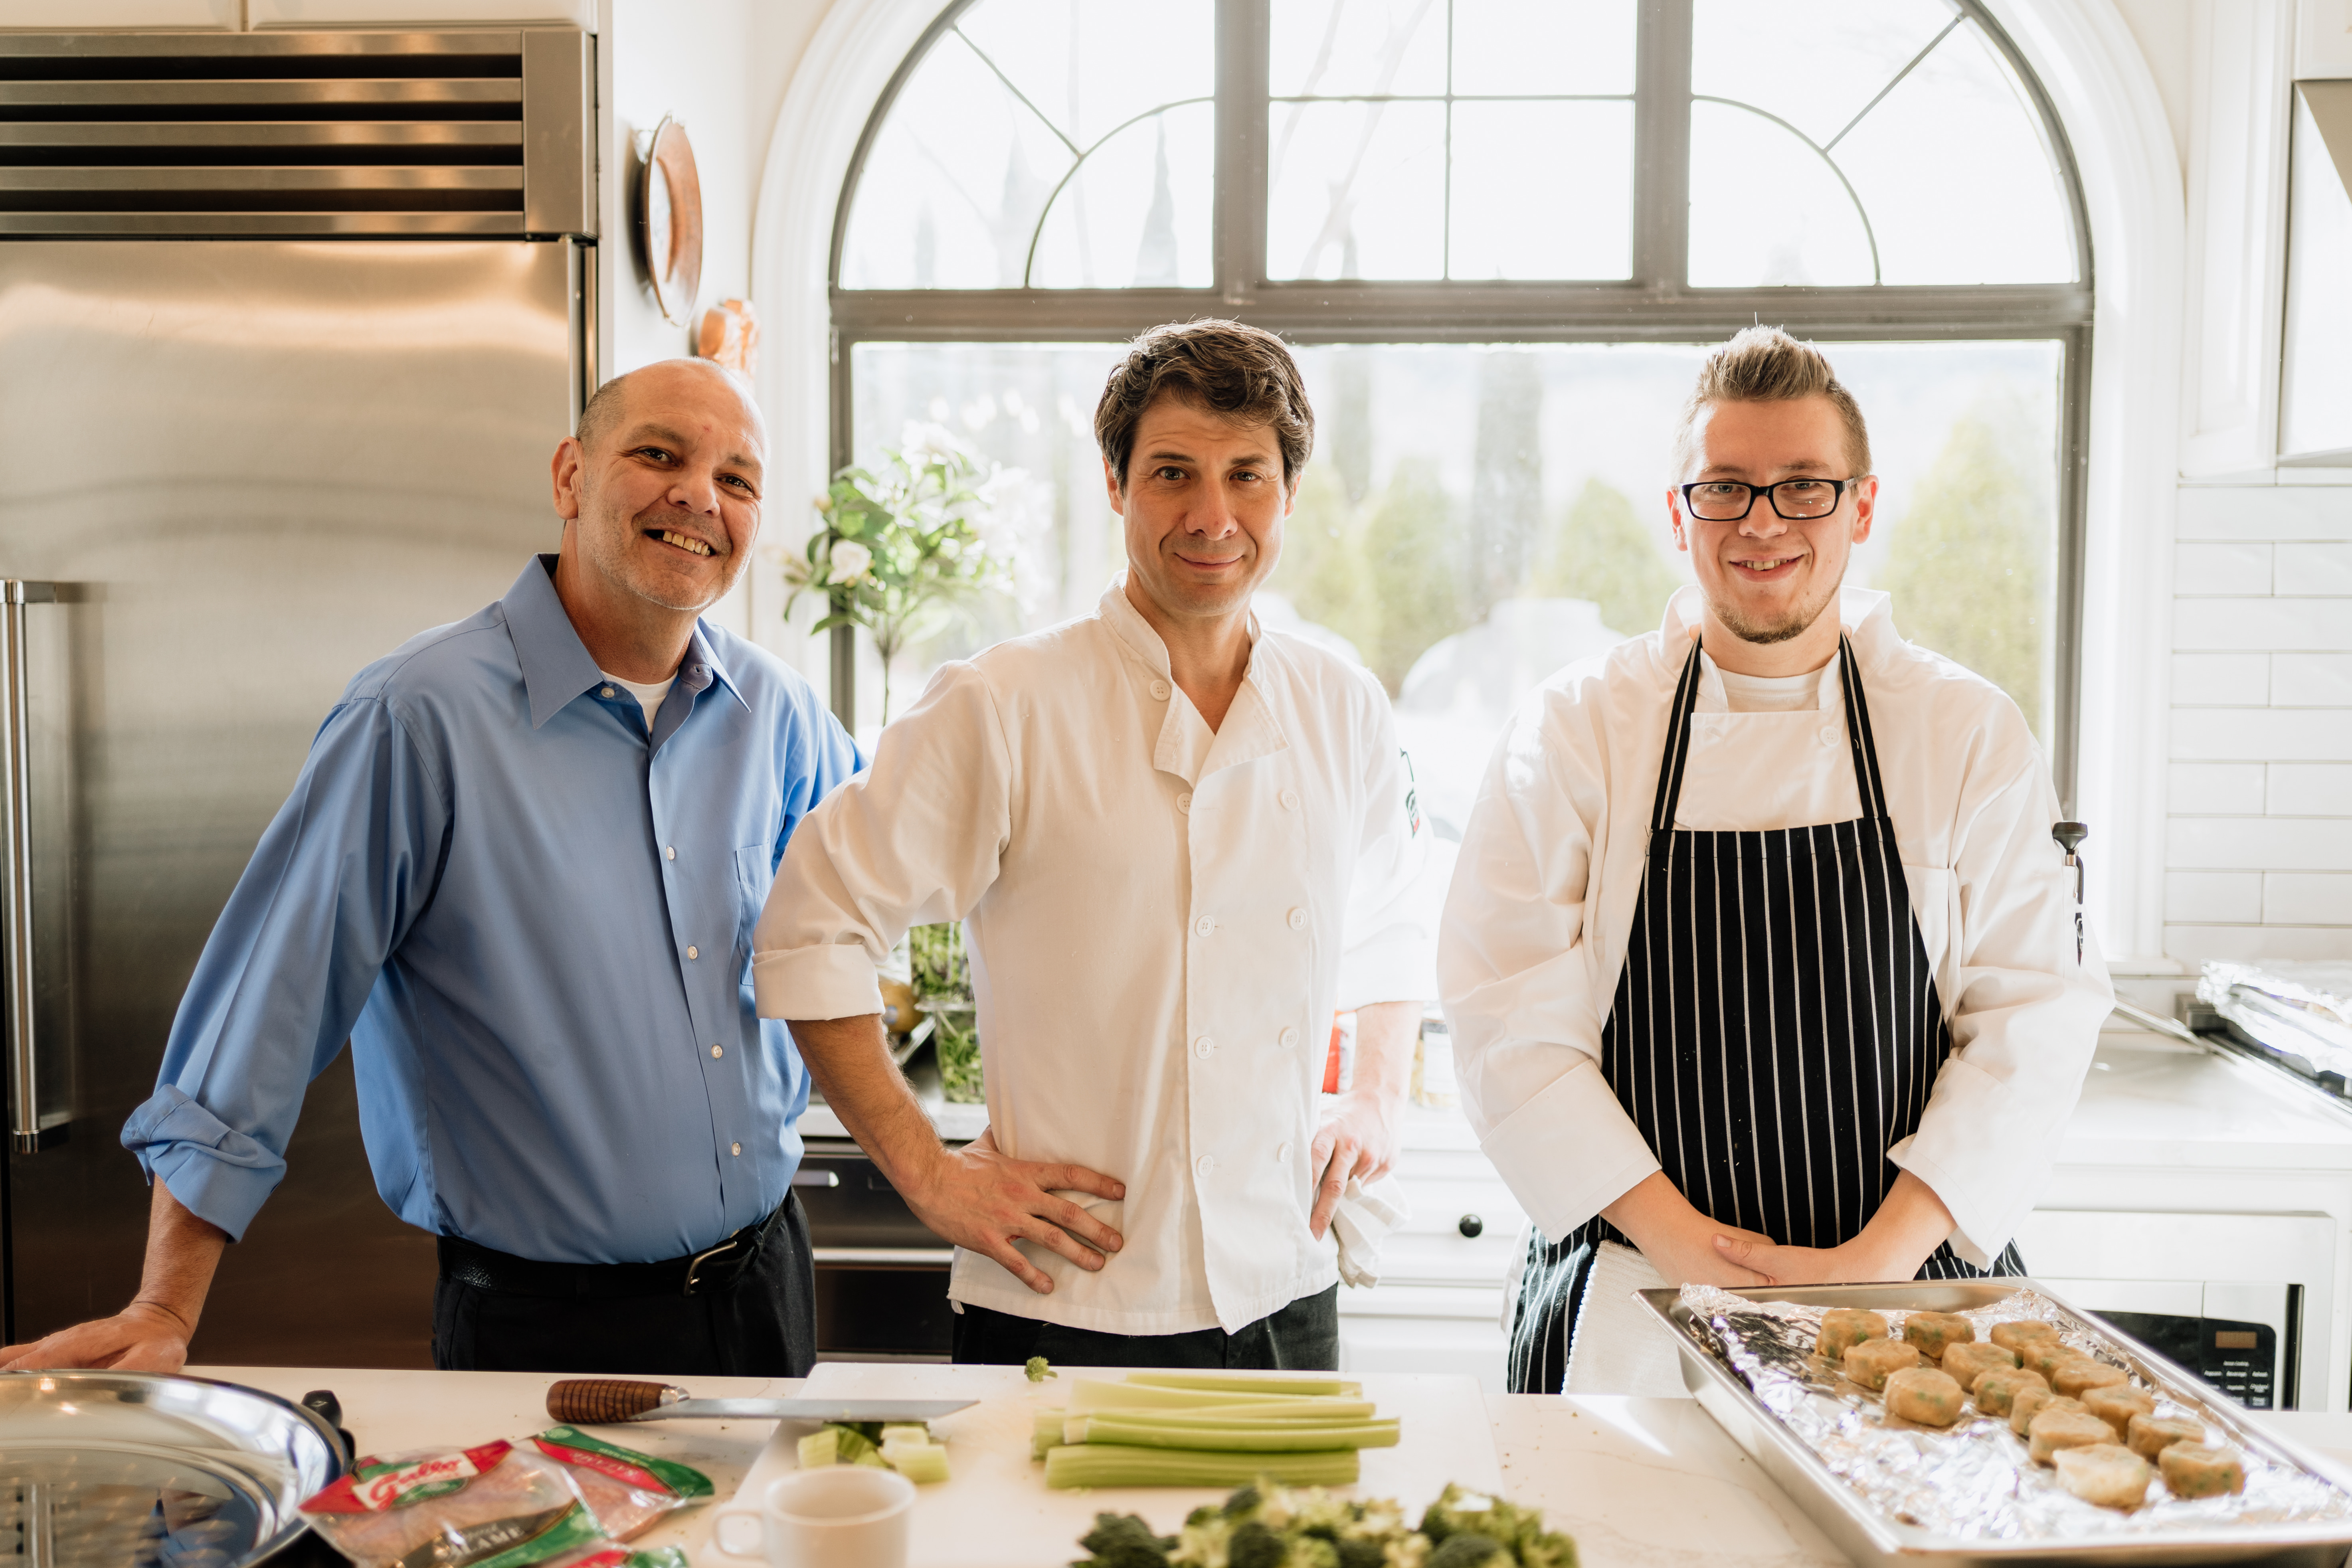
881,1273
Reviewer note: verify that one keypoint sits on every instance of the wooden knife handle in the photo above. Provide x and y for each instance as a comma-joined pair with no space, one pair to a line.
588,1400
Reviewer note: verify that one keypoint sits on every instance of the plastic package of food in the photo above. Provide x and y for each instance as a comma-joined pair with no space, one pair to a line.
496,1506
624,1489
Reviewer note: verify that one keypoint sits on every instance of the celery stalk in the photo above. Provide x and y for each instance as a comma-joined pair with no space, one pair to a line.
1093,1394
1306,1412
1044,1432
1271,1438
1283,1383
1111,1465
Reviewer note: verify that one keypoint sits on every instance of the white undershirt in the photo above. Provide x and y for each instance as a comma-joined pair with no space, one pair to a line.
648,693
1770,693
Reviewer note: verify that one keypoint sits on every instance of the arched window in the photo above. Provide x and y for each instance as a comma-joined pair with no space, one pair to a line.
1500,234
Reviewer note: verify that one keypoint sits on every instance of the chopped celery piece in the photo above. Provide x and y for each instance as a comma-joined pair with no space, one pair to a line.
1111,1465
1273,1438
922,1463
1282,1383
913,1432
1093,1394
1044,1432
820,1447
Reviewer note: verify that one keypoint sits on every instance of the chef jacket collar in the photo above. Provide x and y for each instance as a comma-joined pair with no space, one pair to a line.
1186,747
557,667
1866,616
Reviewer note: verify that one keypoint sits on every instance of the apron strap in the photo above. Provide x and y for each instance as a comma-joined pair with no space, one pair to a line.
1678,752
1867,780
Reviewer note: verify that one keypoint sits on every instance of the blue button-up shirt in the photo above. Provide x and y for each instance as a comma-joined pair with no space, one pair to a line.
532,920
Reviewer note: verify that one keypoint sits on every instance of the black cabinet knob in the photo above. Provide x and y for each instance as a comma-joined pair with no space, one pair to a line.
1470,1225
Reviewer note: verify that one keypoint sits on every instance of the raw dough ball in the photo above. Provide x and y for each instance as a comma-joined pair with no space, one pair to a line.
1931,1332
1869,1363
2108,1474
2115,1404
1965,1362
2076,1376
2197,1469
2046,1356
2149,1435
2033,1402
1846,1327
1997,1391
2055,1429
2017,1335
1922,1394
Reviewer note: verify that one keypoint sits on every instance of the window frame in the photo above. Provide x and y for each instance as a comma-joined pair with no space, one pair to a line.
1654,305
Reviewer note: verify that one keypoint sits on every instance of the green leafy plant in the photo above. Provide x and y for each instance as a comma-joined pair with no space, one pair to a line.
905,545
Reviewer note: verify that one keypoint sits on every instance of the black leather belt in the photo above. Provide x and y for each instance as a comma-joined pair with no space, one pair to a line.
713,1268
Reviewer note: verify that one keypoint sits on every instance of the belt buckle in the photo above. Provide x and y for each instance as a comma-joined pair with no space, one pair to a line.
695,1263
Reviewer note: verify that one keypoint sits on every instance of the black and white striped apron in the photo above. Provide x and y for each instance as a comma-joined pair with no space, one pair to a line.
1776,1029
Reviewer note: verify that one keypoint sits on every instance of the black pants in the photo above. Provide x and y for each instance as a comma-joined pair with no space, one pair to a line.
1302,1337
761,1323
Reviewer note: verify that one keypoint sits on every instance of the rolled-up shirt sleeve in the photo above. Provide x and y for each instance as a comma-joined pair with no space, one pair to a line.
2025,1014
1515,977
1389,939
340,873
914,840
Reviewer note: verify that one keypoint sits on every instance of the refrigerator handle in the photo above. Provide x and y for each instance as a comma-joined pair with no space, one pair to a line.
17,862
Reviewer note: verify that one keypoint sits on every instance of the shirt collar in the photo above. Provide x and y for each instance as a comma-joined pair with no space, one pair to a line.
557,666
1127,623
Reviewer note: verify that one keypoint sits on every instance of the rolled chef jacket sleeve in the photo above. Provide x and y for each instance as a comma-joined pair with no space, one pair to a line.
914,840
277,988
2024,1013
1388,951
1513,975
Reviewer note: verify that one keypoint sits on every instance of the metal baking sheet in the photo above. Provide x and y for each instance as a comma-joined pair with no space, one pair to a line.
120,1468
1872,1536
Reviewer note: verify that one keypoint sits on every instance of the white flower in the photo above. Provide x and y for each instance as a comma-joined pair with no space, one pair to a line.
851,562
922,445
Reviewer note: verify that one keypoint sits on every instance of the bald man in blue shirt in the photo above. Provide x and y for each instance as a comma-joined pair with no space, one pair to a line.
520,872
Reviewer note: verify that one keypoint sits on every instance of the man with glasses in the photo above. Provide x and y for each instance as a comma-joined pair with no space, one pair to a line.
1762,964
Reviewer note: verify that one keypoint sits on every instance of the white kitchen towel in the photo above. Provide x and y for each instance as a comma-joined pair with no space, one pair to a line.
1362,1221
1620,1346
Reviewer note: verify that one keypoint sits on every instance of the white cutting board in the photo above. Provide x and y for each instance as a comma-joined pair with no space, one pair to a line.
996,1511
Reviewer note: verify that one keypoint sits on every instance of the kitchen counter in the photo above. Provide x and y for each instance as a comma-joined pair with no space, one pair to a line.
1642,1483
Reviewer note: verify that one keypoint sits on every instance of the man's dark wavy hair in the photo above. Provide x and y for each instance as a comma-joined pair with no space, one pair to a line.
1239,372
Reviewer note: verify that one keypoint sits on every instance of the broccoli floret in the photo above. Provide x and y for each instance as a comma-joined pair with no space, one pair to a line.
1038,1370
1361,1554
1254,1546
1311,1552
1244,1503
1468,1549
1124,1541
1548,1549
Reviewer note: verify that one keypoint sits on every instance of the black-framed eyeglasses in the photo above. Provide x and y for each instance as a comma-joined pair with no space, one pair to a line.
1728,500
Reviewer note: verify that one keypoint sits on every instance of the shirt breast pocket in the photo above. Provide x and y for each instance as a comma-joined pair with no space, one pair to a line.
755,873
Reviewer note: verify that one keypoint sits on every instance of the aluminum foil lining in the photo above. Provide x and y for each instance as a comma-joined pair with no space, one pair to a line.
1973,1482
2302,1010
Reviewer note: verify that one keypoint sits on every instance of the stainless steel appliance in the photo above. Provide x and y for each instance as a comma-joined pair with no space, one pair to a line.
290,327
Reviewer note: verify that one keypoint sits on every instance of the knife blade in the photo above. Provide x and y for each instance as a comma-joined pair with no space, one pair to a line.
604,1401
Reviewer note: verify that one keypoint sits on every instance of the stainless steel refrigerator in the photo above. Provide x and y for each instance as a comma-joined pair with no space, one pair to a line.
290,328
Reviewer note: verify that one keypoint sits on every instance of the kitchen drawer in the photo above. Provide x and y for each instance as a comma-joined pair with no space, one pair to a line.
1451,1302
851,1204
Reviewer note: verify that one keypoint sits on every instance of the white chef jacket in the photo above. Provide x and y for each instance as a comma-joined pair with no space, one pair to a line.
1534,933
1162,919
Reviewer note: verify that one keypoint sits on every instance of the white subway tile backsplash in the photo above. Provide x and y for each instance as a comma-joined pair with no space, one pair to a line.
2220,680
2306,569
2309,789
2261,735
2317,624
2249,944
2306,679
2214,898
2307,898
2205,569
2259,842
2216,789
2263,512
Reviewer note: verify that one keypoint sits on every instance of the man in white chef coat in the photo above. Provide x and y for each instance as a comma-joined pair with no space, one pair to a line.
1178,841
1762,964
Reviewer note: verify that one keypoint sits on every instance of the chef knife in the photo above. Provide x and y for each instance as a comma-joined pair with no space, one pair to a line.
600,1401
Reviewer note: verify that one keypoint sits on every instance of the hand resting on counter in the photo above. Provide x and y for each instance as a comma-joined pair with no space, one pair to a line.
152,1333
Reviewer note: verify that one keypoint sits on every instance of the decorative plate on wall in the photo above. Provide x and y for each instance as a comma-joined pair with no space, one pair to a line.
669,220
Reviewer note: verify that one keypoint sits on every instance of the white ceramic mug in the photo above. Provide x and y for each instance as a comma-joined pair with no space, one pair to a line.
838,1516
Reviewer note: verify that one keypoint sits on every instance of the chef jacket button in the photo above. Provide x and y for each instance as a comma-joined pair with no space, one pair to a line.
1184,803
736,1149
607,692
1204,925
1298,919
1159,691
1289,1038
1203,1166
669,851
694,953
1282,1153
1829,737
1290,800
1204,1047
718,1051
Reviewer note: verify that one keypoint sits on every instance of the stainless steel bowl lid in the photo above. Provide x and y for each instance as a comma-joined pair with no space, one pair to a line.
125,1468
